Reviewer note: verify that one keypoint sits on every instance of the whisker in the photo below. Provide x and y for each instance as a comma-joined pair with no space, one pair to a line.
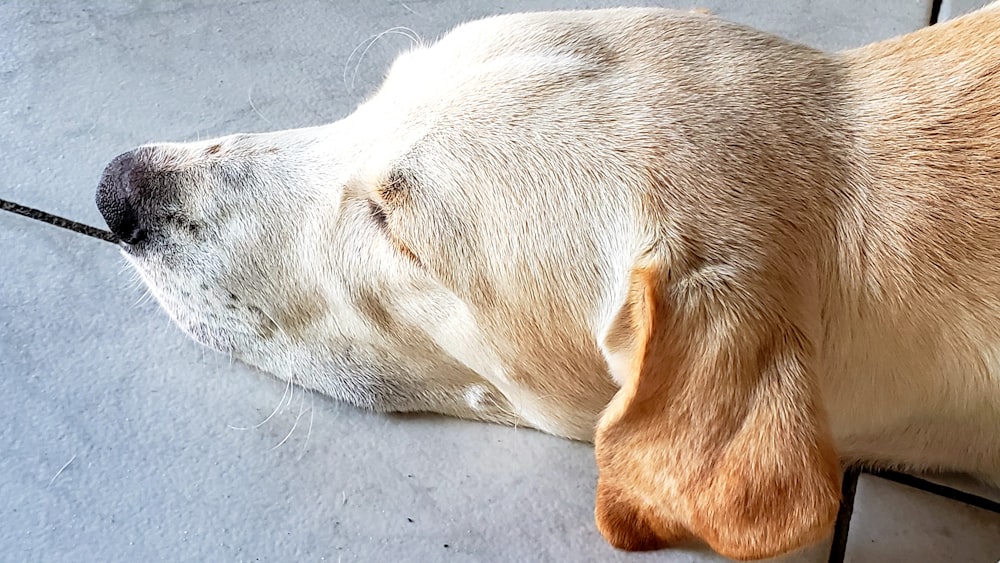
399,30
254,107
61,469
350,57
413,35
144,298
361,58
312,415
274,322
294,426
288,386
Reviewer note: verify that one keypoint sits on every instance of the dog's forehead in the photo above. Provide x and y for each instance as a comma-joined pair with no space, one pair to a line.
509,55
507,74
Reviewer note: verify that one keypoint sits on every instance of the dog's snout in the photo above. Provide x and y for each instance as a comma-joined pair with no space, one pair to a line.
116,199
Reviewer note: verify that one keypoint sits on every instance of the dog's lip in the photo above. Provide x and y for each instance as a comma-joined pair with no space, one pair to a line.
127,246
137,249
144,240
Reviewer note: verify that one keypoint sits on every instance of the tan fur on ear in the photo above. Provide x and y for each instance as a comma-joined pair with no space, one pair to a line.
717,431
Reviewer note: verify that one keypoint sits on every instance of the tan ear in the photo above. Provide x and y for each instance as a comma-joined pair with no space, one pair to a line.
717,432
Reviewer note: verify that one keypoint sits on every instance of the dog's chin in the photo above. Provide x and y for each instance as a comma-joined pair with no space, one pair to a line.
212,338
195,324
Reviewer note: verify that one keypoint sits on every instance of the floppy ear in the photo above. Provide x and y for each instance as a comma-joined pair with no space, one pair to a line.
717,432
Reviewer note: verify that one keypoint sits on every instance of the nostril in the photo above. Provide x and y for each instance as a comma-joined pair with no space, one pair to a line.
114,201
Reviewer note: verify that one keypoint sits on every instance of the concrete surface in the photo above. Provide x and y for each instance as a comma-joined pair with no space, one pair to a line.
124,441
951,9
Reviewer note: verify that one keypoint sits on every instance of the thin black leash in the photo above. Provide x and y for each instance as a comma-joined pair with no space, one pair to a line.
935,11
838,550
937,489
58,221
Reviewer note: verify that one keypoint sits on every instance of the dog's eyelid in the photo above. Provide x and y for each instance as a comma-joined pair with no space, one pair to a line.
377,213
381,219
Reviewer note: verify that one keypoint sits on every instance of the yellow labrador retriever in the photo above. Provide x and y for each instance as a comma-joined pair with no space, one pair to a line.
732,261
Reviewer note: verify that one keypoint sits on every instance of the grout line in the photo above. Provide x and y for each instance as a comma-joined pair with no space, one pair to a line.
937,489
935,11
58,221
838,549
849,488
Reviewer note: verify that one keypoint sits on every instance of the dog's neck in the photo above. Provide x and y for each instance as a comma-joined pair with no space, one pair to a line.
914,263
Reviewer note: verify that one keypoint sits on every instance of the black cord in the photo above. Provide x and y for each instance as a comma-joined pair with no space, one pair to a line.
58,221
935,11
937,489
838,550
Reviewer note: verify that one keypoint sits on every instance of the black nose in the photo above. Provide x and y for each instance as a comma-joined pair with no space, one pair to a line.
116,197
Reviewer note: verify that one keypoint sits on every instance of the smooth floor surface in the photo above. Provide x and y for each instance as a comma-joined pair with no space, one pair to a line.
125,441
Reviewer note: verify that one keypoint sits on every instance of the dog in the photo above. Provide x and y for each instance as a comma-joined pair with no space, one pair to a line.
733,262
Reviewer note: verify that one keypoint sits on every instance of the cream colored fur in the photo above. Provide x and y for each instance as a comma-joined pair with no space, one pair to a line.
542,208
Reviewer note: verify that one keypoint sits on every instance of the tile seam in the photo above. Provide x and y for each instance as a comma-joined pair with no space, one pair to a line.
938,489
935,12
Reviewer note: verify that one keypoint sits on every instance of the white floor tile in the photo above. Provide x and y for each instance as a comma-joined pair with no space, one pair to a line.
893,522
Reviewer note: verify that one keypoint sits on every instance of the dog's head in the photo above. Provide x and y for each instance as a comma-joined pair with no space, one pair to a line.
350,257
462,242
254,248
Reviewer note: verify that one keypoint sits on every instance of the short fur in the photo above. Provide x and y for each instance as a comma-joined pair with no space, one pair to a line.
732,260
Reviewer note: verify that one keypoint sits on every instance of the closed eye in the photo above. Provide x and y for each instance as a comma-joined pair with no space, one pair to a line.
378,214
382,220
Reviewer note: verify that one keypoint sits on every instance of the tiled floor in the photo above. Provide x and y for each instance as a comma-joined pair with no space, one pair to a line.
124,441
